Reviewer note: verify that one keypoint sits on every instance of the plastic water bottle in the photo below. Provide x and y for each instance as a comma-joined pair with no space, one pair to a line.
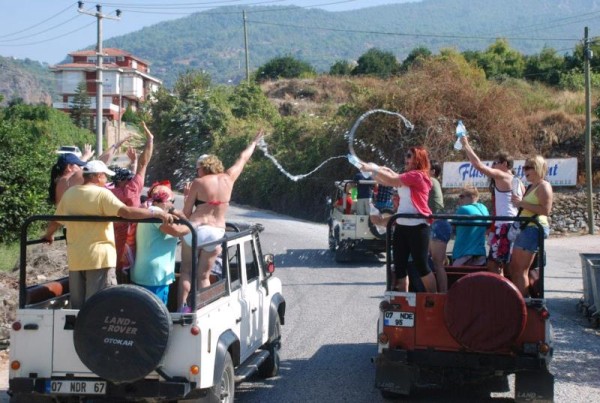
461,131
357,163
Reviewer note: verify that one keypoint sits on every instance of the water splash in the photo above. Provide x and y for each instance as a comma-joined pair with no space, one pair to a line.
262,145
362,117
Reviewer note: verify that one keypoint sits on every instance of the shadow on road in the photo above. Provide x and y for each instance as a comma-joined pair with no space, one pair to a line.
335,373
320,258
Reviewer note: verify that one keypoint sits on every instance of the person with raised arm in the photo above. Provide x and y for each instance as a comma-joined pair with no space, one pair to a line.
503,183
205,206
411,236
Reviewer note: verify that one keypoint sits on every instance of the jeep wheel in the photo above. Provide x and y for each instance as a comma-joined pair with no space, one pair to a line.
334,238
343,253
121,333
224,391
373,228
270,367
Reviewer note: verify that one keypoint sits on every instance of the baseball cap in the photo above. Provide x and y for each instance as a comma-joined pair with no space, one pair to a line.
121,174
69,158
96,167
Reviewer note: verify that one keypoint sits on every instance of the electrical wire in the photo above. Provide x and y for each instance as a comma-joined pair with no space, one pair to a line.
41,32
53,38
412,34
39,23
546,23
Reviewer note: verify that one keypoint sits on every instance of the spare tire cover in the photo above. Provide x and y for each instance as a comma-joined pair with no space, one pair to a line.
121,333
485,312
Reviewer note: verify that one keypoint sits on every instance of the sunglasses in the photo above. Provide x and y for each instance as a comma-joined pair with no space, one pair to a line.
526,167
408,155
462,196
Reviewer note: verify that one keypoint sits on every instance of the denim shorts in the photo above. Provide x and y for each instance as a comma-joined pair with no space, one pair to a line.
528,238
441,230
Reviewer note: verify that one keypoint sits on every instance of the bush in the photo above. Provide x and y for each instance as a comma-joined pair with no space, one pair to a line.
28,137
284,67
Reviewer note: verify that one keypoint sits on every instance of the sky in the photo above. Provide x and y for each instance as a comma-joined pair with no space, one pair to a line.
47,30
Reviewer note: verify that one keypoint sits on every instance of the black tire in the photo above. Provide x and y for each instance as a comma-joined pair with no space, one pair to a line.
224,391
270,367
121,333
343,253
373,227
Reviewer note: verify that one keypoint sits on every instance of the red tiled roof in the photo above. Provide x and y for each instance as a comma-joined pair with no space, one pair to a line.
108,52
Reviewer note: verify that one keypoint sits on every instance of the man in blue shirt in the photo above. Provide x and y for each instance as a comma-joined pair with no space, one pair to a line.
469,245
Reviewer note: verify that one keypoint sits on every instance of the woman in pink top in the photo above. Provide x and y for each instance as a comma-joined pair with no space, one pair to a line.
411,235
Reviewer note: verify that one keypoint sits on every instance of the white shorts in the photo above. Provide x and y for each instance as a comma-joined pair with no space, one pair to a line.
206,234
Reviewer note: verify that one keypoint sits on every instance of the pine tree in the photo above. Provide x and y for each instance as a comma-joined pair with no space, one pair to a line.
80,110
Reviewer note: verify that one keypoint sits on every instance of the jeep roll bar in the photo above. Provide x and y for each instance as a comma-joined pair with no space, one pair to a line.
25,242
480,221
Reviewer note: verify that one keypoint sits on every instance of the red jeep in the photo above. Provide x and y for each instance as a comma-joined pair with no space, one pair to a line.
478,332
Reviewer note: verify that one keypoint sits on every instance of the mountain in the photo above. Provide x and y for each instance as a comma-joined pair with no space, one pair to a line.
214,40
26,79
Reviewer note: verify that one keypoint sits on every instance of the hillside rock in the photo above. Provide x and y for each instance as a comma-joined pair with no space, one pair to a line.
16,81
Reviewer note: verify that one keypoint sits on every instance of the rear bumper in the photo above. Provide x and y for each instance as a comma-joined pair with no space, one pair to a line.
145,388
400,370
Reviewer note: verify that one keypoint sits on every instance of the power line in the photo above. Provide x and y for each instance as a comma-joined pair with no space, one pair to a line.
544,24
39,23
40,32
412,34
50,39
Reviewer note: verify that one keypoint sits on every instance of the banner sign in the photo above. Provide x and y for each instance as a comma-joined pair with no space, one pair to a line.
561,172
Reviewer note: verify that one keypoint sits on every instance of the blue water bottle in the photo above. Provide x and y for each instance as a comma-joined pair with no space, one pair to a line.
461,131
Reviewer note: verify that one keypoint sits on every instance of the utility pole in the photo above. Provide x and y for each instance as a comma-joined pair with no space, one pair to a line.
587,56
246,48
99,79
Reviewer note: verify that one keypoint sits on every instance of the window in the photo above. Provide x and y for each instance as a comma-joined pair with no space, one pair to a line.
251,263
233,267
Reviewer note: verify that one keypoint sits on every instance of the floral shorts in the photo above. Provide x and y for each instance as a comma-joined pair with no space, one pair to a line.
499,244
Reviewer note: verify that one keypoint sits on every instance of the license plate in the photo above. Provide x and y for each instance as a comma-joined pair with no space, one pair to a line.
399,319
64,387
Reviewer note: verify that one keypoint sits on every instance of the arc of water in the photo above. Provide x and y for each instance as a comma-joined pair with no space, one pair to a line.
262,145
362,117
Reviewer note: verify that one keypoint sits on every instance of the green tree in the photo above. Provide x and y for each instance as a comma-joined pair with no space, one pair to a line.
378,63
130,116
191,82
248,101
341,68
546,67
28,136
284,67
500,60
416,56
80,110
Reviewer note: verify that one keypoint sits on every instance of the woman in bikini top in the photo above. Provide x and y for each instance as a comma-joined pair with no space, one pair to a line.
210,193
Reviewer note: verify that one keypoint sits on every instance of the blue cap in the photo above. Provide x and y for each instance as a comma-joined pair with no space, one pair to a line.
69,158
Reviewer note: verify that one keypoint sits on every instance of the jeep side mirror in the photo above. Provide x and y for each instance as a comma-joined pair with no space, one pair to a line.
270,263
328,200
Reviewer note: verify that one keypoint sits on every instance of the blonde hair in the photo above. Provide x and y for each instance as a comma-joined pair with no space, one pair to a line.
210,164
539,164
471,191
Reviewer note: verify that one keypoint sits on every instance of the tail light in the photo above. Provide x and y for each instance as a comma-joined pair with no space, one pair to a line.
544,348
195,330
383,338
16,326
15,365
545,314
194,369
384,305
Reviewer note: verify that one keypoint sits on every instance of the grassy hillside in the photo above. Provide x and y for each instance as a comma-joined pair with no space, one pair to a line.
214,40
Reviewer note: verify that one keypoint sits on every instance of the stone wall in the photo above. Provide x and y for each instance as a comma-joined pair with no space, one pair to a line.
569,210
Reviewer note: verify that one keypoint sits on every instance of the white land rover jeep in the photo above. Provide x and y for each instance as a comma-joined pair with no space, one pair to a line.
125,344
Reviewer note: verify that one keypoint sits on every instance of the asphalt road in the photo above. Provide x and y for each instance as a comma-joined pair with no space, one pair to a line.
328,338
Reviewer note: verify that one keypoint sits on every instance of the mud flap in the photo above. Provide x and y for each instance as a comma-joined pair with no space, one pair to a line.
534,386
392,376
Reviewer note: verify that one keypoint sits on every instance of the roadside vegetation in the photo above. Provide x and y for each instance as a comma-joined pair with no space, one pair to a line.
308,116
